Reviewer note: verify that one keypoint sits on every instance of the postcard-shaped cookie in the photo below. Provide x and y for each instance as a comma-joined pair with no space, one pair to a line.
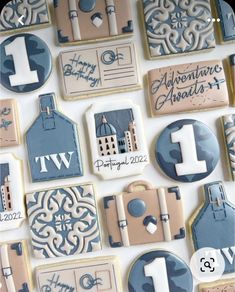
226,25
14,275
213,224
96,274
144,214
26,69
117,142
19,15
225,285
53,144
174,27
92,20
9,123
187,87
63,221
228,124
159,271
187,150
12,212
100,70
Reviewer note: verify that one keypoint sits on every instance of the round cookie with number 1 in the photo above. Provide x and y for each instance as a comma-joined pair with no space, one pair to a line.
26,63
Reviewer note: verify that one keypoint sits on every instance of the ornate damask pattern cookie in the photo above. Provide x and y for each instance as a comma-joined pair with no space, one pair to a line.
14,270
92,20
32,15
9,123
227,285
12,211
228,123
177,26
63,221
187,87
97,274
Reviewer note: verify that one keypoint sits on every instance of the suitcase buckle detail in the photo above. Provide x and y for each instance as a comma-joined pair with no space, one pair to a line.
122,224
165,217
7,272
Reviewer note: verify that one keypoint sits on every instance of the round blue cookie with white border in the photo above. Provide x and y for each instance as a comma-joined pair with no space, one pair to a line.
160,270
187,150
26,63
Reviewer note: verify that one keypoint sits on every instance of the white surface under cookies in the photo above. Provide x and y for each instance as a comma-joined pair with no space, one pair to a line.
192,196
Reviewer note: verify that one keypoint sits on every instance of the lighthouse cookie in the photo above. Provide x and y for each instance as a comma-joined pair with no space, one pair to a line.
118,147
92,20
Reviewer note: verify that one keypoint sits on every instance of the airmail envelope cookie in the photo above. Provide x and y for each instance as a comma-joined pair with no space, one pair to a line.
187,87
99,70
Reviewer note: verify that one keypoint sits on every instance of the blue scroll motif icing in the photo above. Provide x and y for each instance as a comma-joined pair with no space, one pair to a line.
63,221
214,225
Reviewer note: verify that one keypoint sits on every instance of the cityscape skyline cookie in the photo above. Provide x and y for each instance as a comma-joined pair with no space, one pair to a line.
9,123
94,274
144,214
117,142
92,20
213,224
174,28
187,87
53,143
187,150
27,69
99,70
12,210
63,221
159,270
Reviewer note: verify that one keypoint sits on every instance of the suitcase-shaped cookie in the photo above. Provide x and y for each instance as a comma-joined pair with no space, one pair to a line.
144,214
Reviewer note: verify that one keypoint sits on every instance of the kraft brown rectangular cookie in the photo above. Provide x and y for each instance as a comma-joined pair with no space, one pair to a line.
187,87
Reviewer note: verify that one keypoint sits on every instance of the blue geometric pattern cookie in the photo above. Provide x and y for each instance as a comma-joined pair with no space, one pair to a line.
160,271
187,150
26,63
63,221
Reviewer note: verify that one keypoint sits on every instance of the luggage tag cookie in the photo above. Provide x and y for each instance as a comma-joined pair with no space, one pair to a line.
63,221
118,148
12,212
19,15
53,144
92,20
187,150
172,27
27,69
213,224
159,271
99,70
187,87
228,123
9,123
97,274
144,214
225,285
14,267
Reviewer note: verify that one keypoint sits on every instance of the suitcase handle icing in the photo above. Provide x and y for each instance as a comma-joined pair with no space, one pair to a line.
139,183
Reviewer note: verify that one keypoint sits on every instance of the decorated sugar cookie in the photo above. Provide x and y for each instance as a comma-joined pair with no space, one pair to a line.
159,270
99,70
92,20
174,27
53,144
225,285
117,141
187,150
15,275
232,76
96,274
63,221
26,69
12,212
19,15
144,214
9,123
213,224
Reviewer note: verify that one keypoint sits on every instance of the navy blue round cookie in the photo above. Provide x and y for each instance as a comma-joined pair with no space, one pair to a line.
160,271
187,150
26,63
